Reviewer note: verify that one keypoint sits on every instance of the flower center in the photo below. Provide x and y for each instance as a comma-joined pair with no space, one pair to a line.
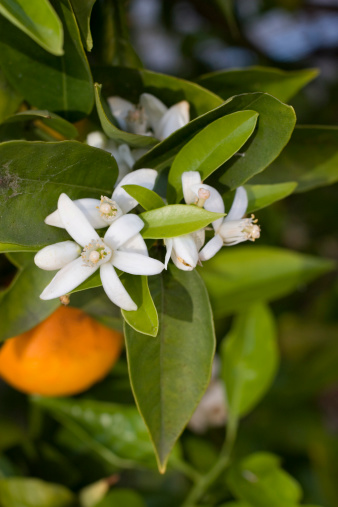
96,253
236,231
136,120
109,209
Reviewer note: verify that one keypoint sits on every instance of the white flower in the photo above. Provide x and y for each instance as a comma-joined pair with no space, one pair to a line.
118,247
233,228
103,213
183,250
151,116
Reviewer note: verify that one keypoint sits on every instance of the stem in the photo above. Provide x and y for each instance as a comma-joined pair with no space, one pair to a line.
221,464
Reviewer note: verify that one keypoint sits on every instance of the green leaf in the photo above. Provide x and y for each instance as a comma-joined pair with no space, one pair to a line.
109,429
27,492
175,220
170,373
113,132
261,196
51,120
280,83
122,497
38,20
259,480
96,304
147,198
145,318
310,159
10,99
210,148
239,276
83,10
274,127
67,82
21,308
249,358
32,177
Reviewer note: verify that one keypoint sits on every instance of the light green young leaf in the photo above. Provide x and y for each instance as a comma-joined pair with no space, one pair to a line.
175,220
68,85
145,318
280,83
38,20
147,198
26,492
210,148
113,132
34,174
239,276
51,120
310,159
259,480
83,10
261,196
249,358
170,373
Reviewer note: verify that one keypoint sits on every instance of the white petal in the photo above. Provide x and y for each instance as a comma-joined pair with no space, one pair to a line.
75,222
169,245
176,117
114,289
135,244
215,204
185,249
96,140
120,108
122,229
154,109
57,256
199,238
136,264
189,179
89,209
211,248
178,262
143,177
67,279
239,205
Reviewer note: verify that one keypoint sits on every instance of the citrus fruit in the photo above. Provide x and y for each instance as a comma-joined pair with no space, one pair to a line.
65,354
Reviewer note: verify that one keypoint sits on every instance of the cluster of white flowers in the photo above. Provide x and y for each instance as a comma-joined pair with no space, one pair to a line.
122,245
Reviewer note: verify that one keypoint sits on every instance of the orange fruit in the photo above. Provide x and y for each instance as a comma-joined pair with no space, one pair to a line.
65,354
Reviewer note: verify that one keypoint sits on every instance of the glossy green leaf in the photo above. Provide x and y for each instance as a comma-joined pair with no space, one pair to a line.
175,220
259,480
238,276
113,132
274,127
10,99
109,429
310,159
96,304
38,20
51,120
147,198
67,82
20,305
249,358
145,318
170,373
122,498
261,196
83,10
32,177
29,492
280,83
210,148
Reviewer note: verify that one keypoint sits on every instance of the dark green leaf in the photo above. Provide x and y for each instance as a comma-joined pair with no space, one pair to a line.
122,498
96,304
32,177
170,373
210,148
147,198
259,480
260,196
249,358
145,318
238,276
83,10
20,305
27,492
310,159
9,98
38,20
62,84
280,83
175,220
51,120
